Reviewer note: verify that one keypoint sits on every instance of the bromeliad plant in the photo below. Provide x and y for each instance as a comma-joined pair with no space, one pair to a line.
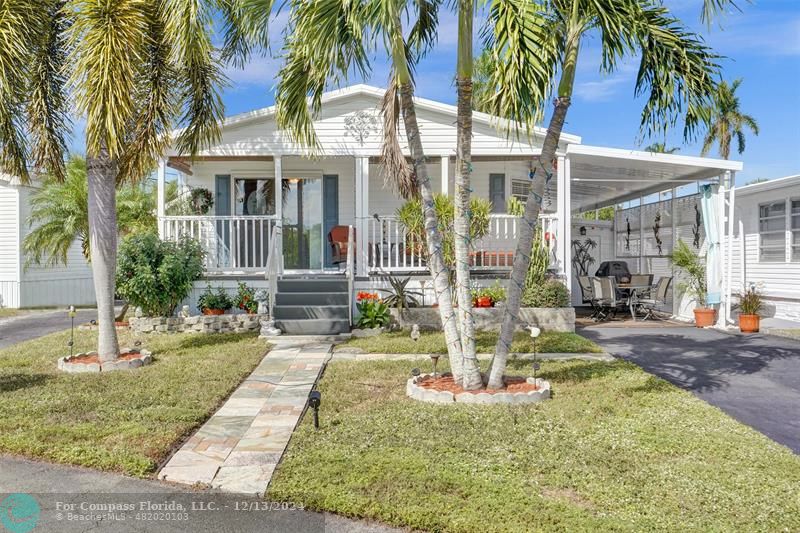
373,312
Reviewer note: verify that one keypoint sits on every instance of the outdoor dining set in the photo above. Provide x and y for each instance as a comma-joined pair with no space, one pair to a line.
614,289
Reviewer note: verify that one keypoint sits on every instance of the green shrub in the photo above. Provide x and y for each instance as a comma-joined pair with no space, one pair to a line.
157,275
214,300
550,293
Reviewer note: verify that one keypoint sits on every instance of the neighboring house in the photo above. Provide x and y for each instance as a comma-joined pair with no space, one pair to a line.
35,285
767,222
261,180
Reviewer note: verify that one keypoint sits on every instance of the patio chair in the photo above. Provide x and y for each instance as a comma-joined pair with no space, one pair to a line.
587,296
337,239
605,298
650,305
639,280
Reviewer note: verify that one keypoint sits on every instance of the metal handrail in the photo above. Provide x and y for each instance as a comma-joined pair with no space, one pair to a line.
272,266
351,254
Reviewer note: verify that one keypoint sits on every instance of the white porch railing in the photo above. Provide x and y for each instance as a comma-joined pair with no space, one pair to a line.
390,249
230,242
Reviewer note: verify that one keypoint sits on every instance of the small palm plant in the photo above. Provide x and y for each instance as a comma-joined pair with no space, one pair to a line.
684,258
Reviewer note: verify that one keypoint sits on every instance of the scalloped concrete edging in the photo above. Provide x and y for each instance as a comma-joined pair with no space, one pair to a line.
422,394
65,365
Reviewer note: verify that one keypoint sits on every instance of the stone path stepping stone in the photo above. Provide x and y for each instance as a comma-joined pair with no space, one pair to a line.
238,448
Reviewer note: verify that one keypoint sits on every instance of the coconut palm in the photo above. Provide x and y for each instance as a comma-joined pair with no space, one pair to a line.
661,148
727,121
134,69
531,41
60,215
331,39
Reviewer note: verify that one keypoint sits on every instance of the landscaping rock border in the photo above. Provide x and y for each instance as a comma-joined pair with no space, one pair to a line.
415,392
239,323
65,364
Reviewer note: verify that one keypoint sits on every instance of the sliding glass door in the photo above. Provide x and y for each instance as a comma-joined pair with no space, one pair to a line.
303,243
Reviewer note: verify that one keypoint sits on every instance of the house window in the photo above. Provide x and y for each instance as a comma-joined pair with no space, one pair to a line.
796,230
520,189
772,232
497,192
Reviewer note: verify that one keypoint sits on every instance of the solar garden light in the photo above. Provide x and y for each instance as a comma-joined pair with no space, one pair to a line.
71,314
314,399
535,332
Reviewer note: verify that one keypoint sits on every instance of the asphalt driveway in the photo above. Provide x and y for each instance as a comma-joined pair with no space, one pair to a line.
754,378
37,323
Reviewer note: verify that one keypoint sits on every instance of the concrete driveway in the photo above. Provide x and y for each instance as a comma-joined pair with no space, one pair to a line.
754,378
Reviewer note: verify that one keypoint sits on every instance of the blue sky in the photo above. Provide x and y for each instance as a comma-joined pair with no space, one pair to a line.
761,44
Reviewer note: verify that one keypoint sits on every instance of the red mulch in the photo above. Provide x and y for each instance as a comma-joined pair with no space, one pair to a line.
123,324
444,382
89,359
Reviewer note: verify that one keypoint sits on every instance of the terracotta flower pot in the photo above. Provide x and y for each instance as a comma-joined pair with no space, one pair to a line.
213,311
484,301
704,317
749,323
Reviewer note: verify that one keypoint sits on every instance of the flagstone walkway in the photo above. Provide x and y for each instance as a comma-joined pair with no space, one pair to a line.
239,447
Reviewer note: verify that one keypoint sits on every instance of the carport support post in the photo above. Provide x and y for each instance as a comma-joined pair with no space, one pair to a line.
641,235
563,246
161,177
730,182
673,208
362,215
724,306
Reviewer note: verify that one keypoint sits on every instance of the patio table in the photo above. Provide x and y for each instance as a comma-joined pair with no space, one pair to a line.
633,295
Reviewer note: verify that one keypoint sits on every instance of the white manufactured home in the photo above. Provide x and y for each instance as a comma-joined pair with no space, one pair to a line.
280,214
31,285
766,243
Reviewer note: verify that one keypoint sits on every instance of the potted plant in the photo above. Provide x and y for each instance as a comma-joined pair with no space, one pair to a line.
481,297
694,267
749,305
214,303
245,299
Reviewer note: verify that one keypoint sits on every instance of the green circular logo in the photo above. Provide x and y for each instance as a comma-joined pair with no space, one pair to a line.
19,513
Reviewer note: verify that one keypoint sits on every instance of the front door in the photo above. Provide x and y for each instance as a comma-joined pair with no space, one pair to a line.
303,244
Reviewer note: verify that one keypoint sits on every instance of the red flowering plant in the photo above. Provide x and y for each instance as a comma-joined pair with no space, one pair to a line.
245,299
373,312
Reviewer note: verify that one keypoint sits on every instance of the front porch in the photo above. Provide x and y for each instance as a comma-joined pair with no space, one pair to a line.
308,199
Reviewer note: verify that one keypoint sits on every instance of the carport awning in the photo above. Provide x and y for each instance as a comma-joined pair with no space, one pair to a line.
609,176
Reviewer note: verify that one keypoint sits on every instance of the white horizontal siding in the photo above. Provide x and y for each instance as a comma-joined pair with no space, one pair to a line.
76,268
781,280
9,234
438,133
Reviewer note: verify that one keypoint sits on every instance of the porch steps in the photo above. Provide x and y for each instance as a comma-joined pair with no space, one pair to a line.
312,306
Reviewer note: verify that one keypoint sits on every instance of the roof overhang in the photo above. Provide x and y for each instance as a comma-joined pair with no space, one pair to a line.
609,176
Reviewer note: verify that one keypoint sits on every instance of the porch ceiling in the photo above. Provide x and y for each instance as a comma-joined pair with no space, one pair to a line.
609,176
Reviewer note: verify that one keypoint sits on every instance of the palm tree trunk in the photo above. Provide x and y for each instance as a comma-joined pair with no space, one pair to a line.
102,177
439,272
471,372
522,256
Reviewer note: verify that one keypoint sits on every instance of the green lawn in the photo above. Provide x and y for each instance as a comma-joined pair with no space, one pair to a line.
616,449
120,421
433,342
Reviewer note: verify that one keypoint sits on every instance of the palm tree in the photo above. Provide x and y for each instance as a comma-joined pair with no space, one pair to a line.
471,376
661,148
532,41
329,41
134,70
60,215
727,121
